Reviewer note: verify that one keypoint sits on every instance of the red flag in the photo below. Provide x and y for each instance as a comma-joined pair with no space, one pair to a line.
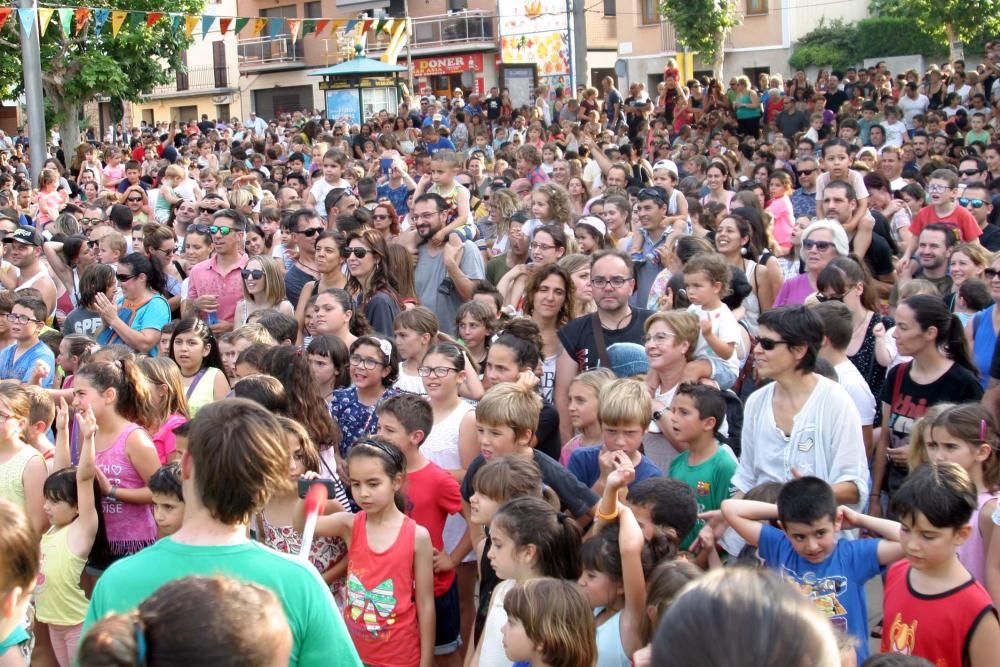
152,18
320,25
367,25
82,16
224,24
5,13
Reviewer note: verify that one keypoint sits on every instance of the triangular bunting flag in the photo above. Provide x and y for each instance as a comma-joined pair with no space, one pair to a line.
117,19
5,13
320,26
350,25
27,18
100,18
175,22
367,26
379,25
275,26
152,18
293,28
241,22
388,26
66,20
308,25
136,19
81,15
224,25
189,23
258,27
335,25
44,16
206,24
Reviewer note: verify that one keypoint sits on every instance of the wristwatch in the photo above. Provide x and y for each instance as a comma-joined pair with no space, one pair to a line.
659,413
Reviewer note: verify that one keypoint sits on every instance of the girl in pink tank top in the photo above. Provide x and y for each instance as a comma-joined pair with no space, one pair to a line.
390,571
967,435
126,457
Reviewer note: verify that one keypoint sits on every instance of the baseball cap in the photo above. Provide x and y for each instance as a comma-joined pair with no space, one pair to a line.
595,222
669,165
26,236
437,117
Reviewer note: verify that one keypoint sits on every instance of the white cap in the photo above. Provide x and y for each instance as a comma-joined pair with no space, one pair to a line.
437,117
669,165
595,222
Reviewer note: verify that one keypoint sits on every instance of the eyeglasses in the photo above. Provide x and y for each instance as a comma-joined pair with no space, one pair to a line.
217,229
969,172
974,203
823,298
21,319
544,247
658,338
436,371
806,172
134,199
615,281
93,244
255,274
311,232
991,273
768,344
123,277
357,252
937,187
367,363
822,246
90,222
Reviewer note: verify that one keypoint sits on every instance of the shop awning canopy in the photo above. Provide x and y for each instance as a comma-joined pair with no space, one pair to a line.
359,66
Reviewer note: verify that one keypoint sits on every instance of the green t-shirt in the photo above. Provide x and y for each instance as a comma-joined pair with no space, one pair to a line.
983,136
319,634
710,480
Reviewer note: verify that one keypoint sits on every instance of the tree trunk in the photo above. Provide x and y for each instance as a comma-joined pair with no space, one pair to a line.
717,60
949,31
69,130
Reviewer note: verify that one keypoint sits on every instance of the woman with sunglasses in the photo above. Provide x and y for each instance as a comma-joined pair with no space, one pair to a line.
160,245
329,268
802,422
138,319
135,198
385,220
371,284
821,242
263,289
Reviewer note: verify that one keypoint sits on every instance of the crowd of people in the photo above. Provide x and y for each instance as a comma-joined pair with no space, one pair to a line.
656,378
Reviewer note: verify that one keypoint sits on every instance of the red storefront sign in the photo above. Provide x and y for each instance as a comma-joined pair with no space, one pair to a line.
453,64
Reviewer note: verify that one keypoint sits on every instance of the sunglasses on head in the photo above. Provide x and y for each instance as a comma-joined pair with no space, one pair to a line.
357,252
255,274
199,228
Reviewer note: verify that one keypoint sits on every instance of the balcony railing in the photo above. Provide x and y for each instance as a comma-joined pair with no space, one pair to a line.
206,77
431,32
258,51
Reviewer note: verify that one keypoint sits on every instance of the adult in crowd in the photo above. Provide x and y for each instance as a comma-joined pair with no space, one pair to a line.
142,312
821,242
216,285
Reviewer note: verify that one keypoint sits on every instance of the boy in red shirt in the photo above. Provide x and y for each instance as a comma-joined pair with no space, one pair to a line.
943,190
933,607
432,494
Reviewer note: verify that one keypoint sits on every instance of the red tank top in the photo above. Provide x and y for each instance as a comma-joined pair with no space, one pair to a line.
934,627
381,612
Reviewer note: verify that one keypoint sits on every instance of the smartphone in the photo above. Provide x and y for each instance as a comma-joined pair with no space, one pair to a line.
304,484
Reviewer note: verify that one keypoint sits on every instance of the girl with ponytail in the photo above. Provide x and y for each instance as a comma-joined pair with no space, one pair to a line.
941,370
119,396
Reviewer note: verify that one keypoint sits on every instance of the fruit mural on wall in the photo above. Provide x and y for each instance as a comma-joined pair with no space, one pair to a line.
536,32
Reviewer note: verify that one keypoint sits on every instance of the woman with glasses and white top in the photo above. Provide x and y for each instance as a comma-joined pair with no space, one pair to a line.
821,242
548,245
263,289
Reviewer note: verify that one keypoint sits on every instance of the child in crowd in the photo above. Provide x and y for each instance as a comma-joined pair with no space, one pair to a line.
624,411
696,413
70,505
388,556
415,331
706,281
194,349
664,583
111,248
932,606
476,323
548,623
334,162
584,393
19,360
169,408
831,572
18,576
168,497
168,196
837,163
445,165
40,418
432,496
942,187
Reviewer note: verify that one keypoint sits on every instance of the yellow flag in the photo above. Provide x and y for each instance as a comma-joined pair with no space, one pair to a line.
336,24
189,23
117,19
387,27
258,27
44,16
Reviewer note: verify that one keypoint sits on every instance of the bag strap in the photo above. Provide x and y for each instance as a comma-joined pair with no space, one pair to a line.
602,349
194,383
898,382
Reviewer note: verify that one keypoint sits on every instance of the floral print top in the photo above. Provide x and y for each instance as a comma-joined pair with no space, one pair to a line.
354,417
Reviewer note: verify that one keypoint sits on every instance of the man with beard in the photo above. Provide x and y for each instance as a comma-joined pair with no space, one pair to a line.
921,149
446,276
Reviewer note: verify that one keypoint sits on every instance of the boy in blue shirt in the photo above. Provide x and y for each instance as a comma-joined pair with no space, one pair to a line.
18,361
807,552
624,411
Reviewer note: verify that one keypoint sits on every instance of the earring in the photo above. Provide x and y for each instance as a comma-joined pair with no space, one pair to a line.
743,251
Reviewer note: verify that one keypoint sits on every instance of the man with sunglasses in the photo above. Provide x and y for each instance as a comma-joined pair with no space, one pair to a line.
804,198
216,285
303,227
972,169
208,206
977,200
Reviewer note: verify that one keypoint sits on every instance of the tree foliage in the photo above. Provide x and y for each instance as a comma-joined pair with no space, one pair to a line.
830,44
840,45
701,25
972,21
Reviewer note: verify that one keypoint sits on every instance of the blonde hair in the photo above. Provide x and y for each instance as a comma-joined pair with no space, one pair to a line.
173,171
596,379
917,286
274,284
918,444
510,404
163,371
685,326
559,205
252,333
979,255
557,619
625,402
115,242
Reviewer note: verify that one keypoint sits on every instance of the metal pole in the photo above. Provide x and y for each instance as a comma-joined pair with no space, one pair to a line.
580,45
32,63
409,59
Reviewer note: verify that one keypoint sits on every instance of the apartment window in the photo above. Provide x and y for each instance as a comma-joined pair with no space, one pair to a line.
219,64
183,83
650,14
756,7
457,5
610,7
313,10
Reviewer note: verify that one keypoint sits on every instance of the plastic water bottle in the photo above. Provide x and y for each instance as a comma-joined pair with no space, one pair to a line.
212,318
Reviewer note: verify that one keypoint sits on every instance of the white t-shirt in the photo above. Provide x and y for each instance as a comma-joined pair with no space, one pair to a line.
911,107
854,384
725,327
894,133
